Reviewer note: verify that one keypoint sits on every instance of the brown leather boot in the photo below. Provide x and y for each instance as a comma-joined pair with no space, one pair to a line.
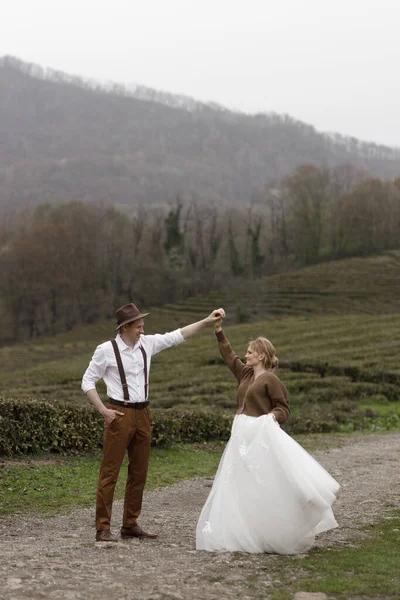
105,535
136,532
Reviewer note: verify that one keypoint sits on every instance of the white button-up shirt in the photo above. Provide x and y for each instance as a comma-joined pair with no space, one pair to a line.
104,364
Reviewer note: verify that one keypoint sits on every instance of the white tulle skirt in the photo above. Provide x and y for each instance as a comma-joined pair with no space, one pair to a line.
269,494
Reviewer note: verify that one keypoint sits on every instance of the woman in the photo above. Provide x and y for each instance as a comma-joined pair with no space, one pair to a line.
269,494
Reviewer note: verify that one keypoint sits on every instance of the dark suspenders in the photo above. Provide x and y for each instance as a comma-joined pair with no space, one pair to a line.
146,380
122,372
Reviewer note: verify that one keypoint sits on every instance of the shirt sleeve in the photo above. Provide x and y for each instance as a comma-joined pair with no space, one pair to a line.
158,342
279,397
231,359
95,371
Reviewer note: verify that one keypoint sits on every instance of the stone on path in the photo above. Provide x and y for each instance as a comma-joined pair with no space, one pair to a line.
310,596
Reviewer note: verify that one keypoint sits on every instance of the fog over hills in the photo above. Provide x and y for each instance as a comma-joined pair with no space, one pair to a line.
63,138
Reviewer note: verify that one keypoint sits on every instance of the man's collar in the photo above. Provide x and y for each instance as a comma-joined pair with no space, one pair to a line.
123,346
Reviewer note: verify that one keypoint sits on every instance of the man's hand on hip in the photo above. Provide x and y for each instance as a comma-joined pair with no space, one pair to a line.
109,416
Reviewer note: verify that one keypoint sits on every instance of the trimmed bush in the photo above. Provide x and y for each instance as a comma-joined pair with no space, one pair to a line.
190,425
29,426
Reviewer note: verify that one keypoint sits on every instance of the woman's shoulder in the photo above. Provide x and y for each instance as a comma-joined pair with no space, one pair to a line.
271,377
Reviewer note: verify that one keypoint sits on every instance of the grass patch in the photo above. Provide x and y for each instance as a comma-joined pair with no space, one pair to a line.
49,486
370,570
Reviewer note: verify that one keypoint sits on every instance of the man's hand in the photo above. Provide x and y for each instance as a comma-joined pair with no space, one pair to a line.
109,416
108,413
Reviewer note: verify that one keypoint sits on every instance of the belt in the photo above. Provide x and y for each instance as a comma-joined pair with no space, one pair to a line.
137,405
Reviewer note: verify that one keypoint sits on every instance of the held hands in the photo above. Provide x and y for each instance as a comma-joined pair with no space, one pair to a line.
191,330
216,317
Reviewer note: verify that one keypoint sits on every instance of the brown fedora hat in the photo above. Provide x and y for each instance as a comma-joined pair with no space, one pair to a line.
127,314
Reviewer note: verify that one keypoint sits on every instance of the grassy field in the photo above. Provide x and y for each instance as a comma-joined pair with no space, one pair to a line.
47,484
357,285
338,343
369,570
348,362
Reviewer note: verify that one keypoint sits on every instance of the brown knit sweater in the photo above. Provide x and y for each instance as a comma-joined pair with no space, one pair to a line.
255,397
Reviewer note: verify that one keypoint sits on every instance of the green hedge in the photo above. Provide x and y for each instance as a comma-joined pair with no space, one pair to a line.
29,426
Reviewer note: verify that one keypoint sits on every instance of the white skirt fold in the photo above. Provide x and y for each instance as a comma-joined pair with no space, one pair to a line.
269,494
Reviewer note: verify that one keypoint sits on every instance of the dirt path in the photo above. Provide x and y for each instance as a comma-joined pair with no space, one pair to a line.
56,558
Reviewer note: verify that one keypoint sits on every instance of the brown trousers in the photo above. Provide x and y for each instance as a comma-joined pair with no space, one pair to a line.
130,432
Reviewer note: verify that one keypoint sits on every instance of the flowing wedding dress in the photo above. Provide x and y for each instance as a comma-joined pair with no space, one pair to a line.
269,494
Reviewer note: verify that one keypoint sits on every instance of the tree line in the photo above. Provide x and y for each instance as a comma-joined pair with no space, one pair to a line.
77,262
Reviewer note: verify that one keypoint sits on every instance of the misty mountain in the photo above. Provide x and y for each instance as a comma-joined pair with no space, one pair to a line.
63,138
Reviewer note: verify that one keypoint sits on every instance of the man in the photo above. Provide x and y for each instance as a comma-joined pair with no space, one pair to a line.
124,365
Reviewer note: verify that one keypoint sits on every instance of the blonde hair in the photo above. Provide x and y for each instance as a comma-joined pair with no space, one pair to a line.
266,351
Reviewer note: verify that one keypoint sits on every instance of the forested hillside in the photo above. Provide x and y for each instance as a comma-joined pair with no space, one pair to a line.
76,263
64,139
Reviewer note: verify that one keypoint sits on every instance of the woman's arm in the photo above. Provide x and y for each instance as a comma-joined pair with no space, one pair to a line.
279,397
230,358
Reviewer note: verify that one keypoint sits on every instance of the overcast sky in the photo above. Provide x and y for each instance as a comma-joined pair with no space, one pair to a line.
332,63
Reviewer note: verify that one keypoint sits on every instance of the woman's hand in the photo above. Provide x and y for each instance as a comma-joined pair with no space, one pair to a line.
218,325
